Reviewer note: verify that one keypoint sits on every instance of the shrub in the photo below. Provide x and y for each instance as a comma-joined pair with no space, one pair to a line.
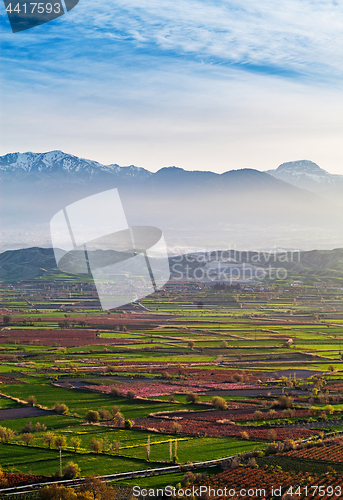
128,424
60,441
192,397
27,428
40,427
2,433
176,427
285,401
6,434
61,408
71,471
31,401
188,479
235,463
328,409
130,395
119,420
97,445
313,411
9,435
171,399
92,416
115,410
244,435
93,488
289,444
75,443
55,492
219,403
105,415
252,462
273,448
115,447
272,435
287,412
27,438
49,438
116,392
258,415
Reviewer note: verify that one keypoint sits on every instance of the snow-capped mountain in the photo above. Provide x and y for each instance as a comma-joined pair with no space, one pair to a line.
308,175
20,165
195,209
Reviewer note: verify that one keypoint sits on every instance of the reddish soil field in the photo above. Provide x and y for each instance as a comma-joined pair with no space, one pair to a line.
230,414
201,374
110,319
218,375
7,380
65,338
252,479
203,428
331,451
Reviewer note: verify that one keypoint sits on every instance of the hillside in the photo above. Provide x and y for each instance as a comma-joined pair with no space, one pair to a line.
30,263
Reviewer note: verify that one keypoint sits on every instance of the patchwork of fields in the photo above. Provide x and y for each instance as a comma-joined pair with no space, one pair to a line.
248,376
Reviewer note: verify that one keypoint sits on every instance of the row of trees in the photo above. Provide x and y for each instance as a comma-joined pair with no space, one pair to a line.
60,441
94,416
92,488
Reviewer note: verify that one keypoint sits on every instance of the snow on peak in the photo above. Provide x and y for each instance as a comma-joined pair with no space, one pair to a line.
58,161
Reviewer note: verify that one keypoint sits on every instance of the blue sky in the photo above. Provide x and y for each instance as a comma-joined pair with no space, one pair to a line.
210,85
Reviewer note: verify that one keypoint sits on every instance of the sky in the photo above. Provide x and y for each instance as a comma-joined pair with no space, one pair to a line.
200,84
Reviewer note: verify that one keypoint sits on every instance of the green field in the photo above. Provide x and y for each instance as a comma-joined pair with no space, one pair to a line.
193,336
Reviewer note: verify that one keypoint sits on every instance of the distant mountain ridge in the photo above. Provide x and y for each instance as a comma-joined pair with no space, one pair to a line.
195,209
304,174
19,164
308,175
31,263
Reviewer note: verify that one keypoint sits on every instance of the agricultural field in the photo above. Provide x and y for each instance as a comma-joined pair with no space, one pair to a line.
205,378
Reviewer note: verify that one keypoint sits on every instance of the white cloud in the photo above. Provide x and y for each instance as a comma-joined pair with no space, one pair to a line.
294,35
159,83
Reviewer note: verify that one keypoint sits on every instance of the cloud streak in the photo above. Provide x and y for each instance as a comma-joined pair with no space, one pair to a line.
196,83
293,37
299,36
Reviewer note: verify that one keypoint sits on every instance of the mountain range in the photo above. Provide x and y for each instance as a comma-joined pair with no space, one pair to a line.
246,208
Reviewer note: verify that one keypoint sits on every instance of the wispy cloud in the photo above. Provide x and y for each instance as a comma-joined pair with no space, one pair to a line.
294,37
300,36
212,84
